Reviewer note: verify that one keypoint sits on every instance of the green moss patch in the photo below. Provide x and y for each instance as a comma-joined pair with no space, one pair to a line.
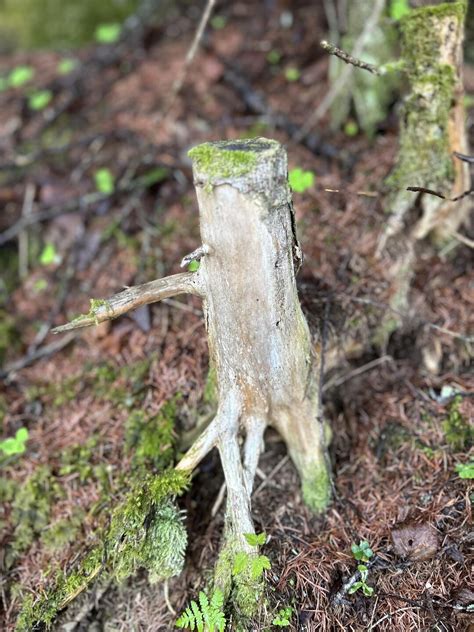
458,432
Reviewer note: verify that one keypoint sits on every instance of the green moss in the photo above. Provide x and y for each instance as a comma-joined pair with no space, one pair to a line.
242,591
151,437
316,488
222,160
146,531
424,156
62,532
210,395
458,432
9,338
31,507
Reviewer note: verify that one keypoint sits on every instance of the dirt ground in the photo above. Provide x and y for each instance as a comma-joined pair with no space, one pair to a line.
397,436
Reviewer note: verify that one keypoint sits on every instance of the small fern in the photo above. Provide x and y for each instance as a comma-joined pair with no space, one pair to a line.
207,616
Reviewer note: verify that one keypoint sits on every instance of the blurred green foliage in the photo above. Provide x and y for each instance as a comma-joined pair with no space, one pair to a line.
26,24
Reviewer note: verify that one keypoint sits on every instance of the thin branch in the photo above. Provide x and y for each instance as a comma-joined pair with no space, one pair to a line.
341,81
178,84
131,298
349,59
37,354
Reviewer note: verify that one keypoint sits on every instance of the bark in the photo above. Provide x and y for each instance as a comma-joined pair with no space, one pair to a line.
432,127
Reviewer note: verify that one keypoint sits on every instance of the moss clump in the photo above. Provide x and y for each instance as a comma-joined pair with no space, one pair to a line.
457,431
62,532
151,438
424,156
225,159
146,531
316,488
31,507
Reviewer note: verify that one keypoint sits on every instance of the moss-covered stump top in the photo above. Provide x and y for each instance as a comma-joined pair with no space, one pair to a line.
256,164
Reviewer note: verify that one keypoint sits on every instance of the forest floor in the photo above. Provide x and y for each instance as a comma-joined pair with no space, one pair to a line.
398,429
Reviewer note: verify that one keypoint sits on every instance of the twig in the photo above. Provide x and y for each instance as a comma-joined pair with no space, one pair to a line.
358,371
464,240
349,59
42,352
178,83
23,236
275,470
131,298
341,81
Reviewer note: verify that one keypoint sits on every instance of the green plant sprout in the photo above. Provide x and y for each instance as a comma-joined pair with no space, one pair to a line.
193,266
15,445
292,74
208,615
282,619
20,75
465,470
67,65
362,551
104,181
39,99
218,22
399,8
49,255
108,33
351,128
362,584
246,563
300,180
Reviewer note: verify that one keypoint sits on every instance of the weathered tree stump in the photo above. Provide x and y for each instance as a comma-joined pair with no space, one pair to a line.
260,348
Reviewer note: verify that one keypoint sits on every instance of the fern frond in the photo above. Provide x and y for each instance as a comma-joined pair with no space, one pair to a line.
207,616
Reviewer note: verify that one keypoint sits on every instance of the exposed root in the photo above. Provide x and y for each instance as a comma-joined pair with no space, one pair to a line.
253,448
201,447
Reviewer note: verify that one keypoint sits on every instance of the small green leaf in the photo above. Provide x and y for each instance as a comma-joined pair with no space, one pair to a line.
351,128
39,100
273,57
49,255
399,8
15,445
292,74
465,470
355,587
104,181
108,33
367,590
283,617
300,180
67,65
363,570
20,75
241,561
259,564
193,266
255,539
218,22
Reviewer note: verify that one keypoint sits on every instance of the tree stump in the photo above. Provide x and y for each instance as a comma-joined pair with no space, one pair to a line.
259,343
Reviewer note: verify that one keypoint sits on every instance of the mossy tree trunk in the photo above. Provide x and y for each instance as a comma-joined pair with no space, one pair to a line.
259,342
432,127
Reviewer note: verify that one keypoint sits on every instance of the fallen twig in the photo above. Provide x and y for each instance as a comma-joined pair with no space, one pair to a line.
349,59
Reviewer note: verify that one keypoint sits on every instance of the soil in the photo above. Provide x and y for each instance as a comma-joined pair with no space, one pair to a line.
397,436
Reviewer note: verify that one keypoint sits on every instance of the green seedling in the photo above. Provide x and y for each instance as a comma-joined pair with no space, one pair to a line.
300,180
292,74
193,266
20,75
465,470
108,33
282,619
362,551
40,99
104,181
15,445
49,255
362,584
67,65
218,22
399,8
